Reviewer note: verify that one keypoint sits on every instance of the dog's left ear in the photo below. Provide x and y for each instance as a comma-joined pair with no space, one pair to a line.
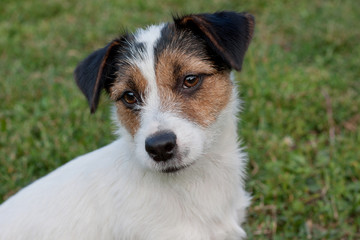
227,33
96,72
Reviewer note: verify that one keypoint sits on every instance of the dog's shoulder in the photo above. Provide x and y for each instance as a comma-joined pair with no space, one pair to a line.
81,185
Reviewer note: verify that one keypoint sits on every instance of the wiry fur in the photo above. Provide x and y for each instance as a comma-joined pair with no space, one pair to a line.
119,191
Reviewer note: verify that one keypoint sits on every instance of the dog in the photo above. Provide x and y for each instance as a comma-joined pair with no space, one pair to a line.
176,170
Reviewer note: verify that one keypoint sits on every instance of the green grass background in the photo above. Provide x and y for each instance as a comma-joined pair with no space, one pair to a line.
300,83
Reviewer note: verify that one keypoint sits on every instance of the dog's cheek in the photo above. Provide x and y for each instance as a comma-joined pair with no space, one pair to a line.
128,118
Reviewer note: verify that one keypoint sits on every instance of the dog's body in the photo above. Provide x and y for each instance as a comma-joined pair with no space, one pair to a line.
177,171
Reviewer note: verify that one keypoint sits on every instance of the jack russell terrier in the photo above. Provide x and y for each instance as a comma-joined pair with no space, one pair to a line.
176,170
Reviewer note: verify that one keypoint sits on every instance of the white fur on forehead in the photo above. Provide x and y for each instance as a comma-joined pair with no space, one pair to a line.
149,35
147,39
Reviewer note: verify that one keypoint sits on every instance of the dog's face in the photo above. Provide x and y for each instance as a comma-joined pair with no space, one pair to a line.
170,84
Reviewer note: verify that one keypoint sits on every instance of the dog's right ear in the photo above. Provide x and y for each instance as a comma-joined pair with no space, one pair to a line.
96,72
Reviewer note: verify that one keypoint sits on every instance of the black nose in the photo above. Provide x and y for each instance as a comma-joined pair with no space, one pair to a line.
161,146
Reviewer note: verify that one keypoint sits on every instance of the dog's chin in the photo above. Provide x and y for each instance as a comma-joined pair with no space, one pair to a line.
172,166
175,169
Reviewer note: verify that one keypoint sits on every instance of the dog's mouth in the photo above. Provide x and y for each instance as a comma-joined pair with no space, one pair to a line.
175,169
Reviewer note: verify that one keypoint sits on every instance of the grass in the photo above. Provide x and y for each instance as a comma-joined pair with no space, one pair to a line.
300,84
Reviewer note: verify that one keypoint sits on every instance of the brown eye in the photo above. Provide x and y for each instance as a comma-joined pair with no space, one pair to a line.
191,81
129,98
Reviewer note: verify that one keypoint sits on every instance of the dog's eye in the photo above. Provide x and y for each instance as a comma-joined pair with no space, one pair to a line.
129,98
191,81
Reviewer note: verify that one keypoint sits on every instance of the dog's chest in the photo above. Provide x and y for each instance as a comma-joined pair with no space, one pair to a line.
190,208
169,214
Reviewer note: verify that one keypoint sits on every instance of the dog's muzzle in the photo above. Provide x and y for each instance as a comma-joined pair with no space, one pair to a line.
161,146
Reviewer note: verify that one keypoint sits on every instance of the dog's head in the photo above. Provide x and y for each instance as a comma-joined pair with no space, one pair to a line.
170,84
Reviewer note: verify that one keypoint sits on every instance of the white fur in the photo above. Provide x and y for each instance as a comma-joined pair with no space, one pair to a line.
118,192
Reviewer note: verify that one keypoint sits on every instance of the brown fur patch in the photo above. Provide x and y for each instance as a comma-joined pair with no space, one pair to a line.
129,79
177,55
205,103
